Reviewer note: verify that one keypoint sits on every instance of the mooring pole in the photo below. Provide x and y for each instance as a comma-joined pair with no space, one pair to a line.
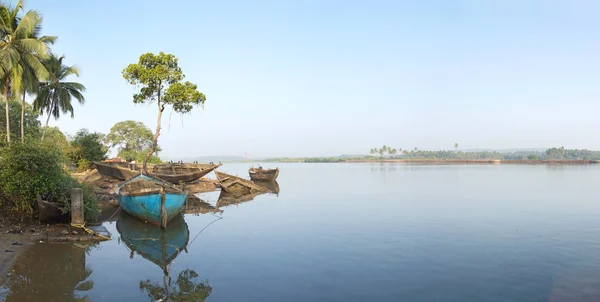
77,206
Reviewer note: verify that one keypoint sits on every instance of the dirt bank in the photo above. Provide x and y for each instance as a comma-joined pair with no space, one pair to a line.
17,235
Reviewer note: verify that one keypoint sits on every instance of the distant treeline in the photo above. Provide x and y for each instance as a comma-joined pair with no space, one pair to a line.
550,154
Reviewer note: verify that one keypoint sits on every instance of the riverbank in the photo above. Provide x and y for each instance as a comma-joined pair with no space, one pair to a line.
16,235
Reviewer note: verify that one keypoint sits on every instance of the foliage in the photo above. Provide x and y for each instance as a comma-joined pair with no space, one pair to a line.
21,49
56,138
533,157
31,123
56,94
160,76
186,288
138,156
571,154
86,148
30,169
133,139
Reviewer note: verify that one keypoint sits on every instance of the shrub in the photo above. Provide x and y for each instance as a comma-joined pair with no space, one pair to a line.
30,169
86,148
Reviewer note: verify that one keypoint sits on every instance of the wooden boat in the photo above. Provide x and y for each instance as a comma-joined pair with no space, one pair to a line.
263,174
179,172
173,173
115,170
158,246
145,197
237,185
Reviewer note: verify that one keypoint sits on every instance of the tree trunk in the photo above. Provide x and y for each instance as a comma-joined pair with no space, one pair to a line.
23,118
7,115
161,108
47,120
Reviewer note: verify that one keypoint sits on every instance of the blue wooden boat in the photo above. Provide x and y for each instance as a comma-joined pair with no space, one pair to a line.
144,197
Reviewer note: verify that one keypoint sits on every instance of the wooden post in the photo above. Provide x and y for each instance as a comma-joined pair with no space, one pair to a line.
77,206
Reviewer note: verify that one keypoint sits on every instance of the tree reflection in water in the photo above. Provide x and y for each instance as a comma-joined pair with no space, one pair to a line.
55,272
187,287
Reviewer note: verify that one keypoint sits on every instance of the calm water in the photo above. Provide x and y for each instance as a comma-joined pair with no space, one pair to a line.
354,232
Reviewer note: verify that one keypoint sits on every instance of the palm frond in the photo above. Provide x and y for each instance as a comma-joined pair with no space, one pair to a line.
28,24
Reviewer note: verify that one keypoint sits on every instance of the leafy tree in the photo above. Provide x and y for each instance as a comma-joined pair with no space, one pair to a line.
56,94
533,157
160,79
86,148
54,137
133,140
20,51
30,121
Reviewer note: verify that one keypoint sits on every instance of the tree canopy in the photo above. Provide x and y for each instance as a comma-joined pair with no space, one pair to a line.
132,139
159,78
86,148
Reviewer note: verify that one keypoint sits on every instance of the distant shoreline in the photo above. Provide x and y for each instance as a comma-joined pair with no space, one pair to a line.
458,161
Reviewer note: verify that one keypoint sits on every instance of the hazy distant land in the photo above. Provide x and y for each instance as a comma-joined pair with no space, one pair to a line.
559,154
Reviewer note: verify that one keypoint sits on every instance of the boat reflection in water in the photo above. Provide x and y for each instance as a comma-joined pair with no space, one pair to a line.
161,247
273,186
228,199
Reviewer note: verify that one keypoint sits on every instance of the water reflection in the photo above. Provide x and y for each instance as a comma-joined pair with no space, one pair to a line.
186,287
161,247
196,206
227,199
273,186
49,274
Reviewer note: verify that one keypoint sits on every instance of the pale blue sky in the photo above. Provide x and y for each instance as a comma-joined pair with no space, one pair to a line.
310,78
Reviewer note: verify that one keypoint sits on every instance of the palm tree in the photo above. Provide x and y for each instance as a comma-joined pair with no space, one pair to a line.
20,49
456,146
55,95
31,85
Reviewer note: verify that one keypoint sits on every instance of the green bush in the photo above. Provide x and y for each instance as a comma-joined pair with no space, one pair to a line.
30,169
86,148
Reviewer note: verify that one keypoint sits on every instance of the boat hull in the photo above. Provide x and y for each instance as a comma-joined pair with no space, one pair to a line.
147,207
264,174
173,173
237,185
115,171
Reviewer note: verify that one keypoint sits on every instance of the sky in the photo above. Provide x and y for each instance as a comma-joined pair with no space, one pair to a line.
325,77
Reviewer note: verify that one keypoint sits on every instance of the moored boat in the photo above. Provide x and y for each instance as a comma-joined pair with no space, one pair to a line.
173,173
115,170
151,199
261,174
236,185
180,172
